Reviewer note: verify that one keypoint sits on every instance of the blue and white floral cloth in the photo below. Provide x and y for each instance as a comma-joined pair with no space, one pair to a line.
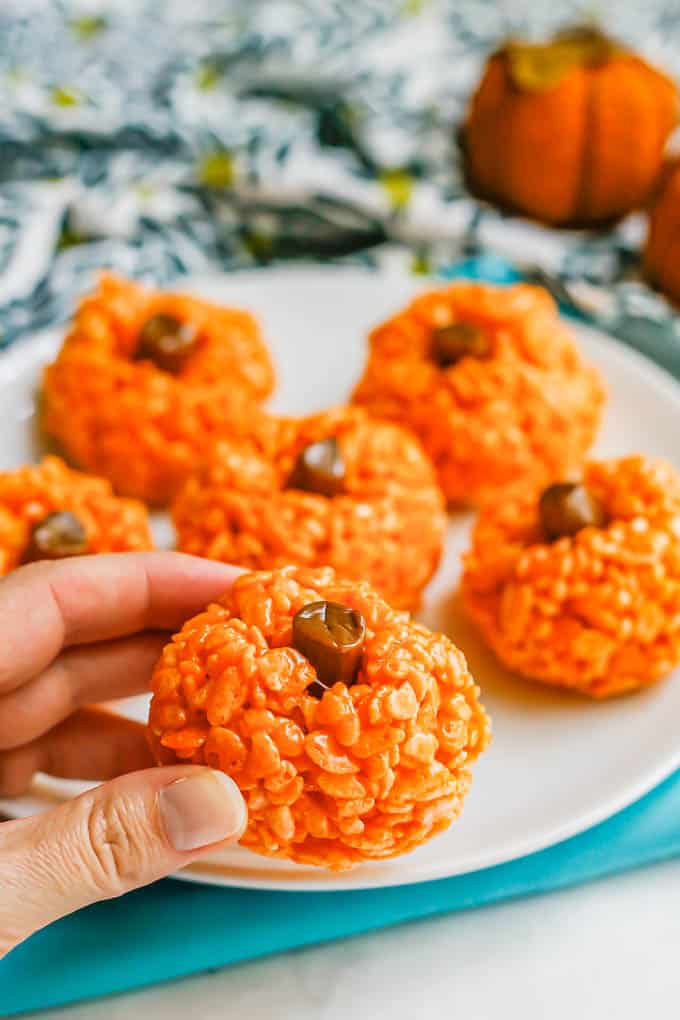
163,138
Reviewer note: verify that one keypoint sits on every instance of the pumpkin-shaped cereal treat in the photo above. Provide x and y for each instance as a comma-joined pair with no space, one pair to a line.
49,512
571,131
490,381
579,585
146,381
335,489
662,250
349,728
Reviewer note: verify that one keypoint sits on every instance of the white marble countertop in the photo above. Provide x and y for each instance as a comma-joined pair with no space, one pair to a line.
609,949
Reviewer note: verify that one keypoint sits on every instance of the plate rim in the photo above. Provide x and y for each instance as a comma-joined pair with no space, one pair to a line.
320,880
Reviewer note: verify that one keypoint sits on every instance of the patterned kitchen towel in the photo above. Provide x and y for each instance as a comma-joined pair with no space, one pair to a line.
164,138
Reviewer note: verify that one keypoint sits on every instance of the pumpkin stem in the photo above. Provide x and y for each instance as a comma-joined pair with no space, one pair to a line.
537,67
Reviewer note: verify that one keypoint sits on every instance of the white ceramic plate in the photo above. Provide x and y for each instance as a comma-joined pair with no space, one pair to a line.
558,764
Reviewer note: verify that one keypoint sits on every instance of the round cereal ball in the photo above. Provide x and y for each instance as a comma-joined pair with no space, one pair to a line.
146,381
334,489
349,728
578,585
491,382
48,511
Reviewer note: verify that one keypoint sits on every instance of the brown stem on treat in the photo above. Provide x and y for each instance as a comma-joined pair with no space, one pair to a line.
166,341
57,536
566,508
319,468
459,340
331,636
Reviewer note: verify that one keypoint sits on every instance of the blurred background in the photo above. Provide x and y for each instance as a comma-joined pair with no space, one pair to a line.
166,138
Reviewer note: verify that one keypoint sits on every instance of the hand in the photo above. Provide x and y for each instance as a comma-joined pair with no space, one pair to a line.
72,633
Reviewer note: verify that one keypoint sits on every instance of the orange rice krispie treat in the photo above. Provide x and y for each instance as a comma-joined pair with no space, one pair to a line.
349,728
146,381
490,381
579,585
48,511
333,489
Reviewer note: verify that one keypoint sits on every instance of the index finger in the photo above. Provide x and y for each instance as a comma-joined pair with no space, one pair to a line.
45,607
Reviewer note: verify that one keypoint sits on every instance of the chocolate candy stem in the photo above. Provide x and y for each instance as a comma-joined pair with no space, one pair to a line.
166,341
567,507
331,636
55,537
459,340
319,468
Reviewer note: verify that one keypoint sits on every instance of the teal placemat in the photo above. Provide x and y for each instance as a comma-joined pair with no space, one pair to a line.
173,929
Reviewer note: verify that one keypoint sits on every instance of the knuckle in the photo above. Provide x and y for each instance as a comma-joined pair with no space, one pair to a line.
119,847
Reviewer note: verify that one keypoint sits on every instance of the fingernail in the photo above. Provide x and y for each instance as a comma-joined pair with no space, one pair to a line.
203,808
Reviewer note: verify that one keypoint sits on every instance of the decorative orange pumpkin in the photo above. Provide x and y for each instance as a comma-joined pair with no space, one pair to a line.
571,131
662,250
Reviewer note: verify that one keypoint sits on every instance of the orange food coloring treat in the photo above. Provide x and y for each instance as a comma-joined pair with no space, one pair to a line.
333,489
491,382
127,400
597,611
30,494
355,771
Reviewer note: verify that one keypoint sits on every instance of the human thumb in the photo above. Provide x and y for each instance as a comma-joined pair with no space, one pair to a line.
114,838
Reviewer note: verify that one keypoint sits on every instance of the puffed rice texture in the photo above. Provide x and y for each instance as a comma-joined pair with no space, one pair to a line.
387,527
30,493
598,612
364,773
145,429
530,409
